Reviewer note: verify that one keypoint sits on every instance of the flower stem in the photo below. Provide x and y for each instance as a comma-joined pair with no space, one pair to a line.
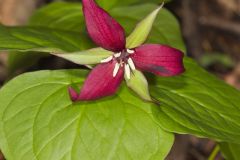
214,153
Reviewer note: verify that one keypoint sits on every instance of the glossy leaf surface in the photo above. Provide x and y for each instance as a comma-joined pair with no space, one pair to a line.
230,151
39,121
40,39
198,103
115,3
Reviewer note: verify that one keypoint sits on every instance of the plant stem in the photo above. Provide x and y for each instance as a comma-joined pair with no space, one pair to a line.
214,153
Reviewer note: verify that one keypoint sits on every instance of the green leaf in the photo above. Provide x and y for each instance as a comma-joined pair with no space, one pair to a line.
142,30
106,4
139,85
116,3
41,39
60,15
22,60
198,103
68,16
38,121
38,39
91,56
230,151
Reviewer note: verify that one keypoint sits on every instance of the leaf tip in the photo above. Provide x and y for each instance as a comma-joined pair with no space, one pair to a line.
156,11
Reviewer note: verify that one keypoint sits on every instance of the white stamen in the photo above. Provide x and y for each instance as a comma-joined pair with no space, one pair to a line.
127,71
131,64
130,51
116,68
117,54
107,59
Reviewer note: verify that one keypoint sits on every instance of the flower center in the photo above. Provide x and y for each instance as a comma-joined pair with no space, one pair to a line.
123,60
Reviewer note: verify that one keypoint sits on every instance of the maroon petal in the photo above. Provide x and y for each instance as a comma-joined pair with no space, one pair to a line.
73,94
102,28
159,59
100,82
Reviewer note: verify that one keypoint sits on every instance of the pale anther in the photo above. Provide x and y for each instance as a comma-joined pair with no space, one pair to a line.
117,54
116,68
130,51
127,71
131,64
107,59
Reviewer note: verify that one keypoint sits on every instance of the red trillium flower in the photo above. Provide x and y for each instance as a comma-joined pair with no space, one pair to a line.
107,76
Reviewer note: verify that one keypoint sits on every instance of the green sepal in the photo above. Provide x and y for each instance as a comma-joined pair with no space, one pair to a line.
142,30
91,56
138,83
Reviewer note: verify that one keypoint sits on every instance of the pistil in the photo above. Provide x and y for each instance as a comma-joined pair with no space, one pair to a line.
123,60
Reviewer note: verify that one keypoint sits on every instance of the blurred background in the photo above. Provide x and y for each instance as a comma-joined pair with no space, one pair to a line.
211,30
